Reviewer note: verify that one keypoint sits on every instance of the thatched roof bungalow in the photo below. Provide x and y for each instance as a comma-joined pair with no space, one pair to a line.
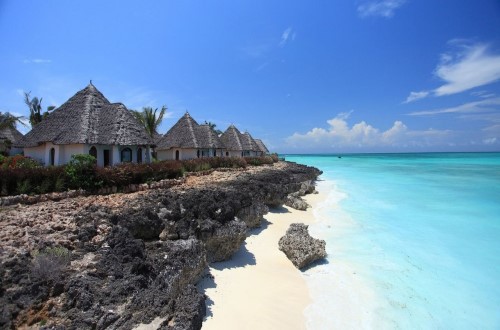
262,147
250,148
9,136
232,142
88,123
188,140
238,144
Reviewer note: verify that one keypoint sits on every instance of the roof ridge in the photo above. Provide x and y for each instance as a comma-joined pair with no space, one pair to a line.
191,129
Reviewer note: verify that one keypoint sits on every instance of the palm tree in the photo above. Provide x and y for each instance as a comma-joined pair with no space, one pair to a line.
148,118
35,106
212,126
7,120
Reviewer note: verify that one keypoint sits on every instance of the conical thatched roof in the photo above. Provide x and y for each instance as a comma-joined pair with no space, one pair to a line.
231,139
262,146
11,134
88,118
181,135
248,143
187,133
207,138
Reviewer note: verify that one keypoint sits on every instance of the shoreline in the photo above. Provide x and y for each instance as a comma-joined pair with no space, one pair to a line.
260,278
351,302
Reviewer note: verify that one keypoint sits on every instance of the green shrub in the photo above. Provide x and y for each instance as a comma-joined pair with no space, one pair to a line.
24,187
19,161
60,183
257,161
81,172
203,164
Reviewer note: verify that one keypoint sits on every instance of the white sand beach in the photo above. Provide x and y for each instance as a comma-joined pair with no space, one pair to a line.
259,288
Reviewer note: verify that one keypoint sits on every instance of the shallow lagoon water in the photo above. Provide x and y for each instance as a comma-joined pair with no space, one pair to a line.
422,231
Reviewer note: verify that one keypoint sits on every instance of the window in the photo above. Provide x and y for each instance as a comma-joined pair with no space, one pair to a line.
177,155
126,155
198,153
139,155
93,152
215,152
227,153
106,157
52,156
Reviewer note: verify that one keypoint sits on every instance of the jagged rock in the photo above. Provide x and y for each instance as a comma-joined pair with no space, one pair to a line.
144,223
307,187
189,311
296,203
252,215
169,232
135,257
225,240
300,247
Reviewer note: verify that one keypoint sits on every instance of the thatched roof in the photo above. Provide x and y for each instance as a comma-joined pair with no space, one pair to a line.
262,146
157,138
208,138
88,118
11,134
248,143
187,133
231,139
181,135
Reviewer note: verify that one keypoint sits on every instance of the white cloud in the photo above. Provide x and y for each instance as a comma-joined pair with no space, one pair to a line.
286,36
340,135
495,129
416,96
37,61
470,67
492,140
483,94
487,105
383,8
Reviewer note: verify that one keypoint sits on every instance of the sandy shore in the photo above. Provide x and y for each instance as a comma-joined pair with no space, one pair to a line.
259,288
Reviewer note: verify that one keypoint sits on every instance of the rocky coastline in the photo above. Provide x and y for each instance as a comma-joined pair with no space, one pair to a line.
133,257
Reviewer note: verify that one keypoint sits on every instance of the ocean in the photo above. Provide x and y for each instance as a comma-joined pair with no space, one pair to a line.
413,241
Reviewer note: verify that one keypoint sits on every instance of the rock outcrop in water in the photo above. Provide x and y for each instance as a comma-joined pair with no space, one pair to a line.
300,247
133,257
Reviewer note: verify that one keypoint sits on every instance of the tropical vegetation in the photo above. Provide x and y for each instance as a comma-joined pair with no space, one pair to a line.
23,175
150,119
35,106
7,120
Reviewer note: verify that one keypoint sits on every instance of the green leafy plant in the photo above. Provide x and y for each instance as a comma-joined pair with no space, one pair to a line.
24,187
81,172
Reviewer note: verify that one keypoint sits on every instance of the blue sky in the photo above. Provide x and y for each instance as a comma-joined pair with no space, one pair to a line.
304,76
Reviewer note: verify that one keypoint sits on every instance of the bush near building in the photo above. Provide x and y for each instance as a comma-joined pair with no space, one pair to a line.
23,175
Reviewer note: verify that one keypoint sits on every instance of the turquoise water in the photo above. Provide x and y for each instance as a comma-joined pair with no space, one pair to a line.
423,233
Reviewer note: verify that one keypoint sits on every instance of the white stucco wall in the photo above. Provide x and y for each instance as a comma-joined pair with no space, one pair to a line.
67,150
115,153
184,154
233,153
37,153
63,153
